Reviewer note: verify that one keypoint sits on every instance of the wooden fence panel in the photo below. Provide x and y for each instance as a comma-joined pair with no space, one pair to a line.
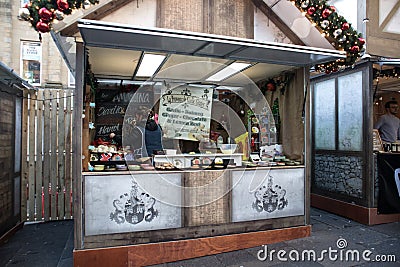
68,156
47,137
61,157
24,152
39,153
47,156
53,159
31,160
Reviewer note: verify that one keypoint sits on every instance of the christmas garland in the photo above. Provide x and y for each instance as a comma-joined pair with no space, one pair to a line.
388,73
336,29
276,83
42,13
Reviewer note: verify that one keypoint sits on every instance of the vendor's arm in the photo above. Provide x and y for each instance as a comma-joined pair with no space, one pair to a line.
379,123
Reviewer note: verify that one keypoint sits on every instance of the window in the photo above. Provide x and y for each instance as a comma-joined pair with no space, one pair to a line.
338,113
31,59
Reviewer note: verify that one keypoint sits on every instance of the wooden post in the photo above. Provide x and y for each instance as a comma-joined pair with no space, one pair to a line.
86,130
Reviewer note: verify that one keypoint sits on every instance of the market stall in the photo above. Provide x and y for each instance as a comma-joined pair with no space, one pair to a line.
351,166
228,176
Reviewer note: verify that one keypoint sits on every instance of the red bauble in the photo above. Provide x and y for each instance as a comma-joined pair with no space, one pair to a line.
361,41
271,87
327,71
310,10
345,26
326,13
42,26
45,14
355,49
333,8
62,5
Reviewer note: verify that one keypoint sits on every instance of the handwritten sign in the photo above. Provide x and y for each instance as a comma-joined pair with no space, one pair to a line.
144,97
111,105
185,112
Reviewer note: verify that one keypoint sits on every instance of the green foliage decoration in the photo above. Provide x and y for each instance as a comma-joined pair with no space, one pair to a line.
42,13
336,29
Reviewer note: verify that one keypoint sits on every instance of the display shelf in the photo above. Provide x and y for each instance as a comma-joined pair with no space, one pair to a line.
185,160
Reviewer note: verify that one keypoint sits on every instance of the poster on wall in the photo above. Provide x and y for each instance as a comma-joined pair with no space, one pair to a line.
185,112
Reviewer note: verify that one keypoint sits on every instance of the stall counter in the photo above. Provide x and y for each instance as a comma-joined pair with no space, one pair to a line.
126,207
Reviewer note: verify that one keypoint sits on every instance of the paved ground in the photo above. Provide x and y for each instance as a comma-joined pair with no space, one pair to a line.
51,244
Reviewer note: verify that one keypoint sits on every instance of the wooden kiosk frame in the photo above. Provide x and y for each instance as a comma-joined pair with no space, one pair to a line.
193,238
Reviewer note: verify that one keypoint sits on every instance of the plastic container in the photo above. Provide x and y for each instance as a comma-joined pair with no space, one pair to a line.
227,148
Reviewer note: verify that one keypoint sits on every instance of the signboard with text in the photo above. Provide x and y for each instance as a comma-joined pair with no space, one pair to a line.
185,112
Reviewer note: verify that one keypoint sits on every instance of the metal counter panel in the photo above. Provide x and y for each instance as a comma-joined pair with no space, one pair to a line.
118,204
280,194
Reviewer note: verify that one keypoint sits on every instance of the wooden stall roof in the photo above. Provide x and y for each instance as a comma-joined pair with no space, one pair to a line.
122,36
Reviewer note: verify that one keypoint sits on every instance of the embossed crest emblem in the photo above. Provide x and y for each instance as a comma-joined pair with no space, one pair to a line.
134,207
270,198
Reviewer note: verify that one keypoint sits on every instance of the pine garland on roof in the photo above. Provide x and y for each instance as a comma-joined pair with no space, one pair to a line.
42,13
336,29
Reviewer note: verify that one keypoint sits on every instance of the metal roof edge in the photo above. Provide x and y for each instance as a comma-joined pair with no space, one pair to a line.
14,78
85,23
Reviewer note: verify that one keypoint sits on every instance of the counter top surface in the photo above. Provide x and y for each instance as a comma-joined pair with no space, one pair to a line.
188,170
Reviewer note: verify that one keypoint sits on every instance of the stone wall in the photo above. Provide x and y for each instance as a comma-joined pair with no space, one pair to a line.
341,174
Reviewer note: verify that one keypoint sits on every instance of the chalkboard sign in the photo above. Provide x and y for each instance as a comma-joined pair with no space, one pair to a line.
111,105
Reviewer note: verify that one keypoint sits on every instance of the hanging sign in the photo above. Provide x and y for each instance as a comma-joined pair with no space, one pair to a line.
185,112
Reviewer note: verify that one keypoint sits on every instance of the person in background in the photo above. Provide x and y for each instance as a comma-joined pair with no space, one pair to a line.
388,124
153,134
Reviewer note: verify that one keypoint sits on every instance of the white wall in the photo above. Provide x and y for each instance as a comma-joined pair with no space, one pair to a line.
141,13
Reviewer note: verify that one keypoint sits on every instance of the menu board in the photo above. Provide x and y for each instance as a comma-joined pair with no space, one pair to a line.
185,112
111,105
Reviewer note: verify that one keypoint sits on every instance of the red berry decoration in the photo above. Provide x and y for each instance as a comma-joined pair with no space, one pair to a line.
326,13
62,5
42,27
345,26
361,41
310,10
45,14
355,49
333,8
